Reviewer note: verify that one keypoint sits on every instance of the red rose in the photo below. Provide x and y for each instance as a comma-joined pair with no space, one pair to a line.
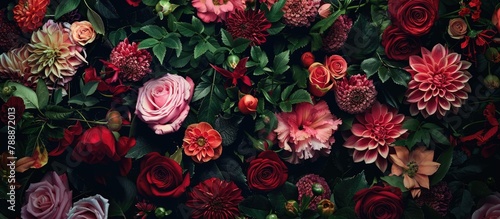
320,81
267,172
248,104
161,176
414,17
399,45
379,202
96,145
337,66
13,108
307,59
72,132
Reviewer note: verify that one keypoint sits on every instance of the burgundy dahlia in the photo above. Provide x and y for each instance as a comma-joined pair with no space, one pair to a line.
336,36
305,184
356,94
132,61
10,36
215,199
249,24
300,13
437,198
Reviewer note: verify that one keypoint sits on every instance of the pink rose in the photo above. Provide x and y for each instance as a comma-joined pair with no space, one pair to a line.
490,207
48,199
163,103
337,66
82,32
209,10
496,18
91,207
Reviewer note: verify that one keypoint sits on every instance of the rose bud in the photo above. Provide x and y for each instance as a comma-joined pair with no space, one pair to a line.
326,208
492,55
82,32
248,104
164,8
319,79
457,28
492,81
496,18
7,91
114,119
325,10
232,61
337,66
291,208
307,59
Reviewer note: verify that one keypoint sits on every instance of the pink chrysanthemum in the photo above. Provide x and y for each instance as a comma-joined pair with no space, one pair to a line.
373,132
336,36
305,184
249,24
438,83
300,13
438,198
356,94
132,61
14,67
307,131
216,10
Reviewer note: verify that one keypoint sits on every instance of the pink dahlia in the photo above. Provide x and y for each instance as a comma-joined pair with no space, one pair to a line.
300,13
307,131
336,36
373,132
13,66
356,94
305,184
216,10
438,83
132,61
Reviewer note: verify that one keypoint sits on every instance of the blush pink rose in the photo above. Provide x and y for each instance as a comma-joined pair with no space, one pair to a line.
91,207
163,103
82,32
490,207
48,199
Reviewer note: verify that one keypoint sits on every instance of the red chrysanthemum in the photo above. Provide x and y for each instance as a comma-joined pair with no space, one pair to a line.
337,34
438,83
132,61
29,14
214,199
202,142
356,94
305,184
373,132
9,33
300,13
249,24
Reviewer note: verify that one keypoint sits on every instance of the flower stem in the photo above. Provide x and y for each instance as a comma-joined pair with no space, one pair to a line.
473,123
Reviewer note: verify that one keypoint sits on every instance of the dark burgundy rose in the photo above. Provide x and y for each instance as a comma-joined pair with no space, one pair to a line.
96,145
379,202
415,17
267,172
398,44
15,107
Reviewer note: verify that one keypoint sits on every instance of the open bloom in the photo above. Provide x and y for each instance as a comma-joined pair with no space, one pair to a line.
416,167
373,132
29,14
216,10
202,142
337,34
356,94
438,83
13,66
91,207
307,131
132,61
249,24
300,13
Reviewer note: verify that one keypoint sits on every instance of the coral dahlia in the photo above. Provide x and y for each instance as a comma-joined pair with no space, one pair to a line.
29,14
249,24
356,94
307,131
337,34
300,13
132,61
373,132
305,184
202,142
13,66
214,199
438,83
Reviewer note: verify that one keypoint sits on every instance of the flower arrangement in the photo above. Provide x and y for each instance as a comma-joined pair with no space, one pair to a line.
250,109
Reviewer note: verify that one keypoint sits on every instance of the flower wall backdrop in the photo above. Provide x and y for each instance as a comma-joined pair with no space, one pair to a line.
250,109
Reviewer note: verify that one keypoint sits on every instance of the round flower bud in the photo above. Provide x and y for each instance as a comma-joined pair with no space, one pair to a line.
492,55
307,59
272,216
233,60
248,104
291,208
164,8
160,212
492,81
326,208
114,119
7,91
317,189
325,10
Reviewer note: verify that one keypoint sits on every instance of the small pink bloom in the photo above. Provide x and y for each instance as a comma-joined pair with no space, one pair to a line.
91,207
216,10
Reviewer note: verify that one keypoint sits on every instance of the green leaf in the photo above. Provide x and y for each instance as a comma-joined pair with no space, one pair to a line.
160,50
90,101
383,74
411,124
326,23
90,88
58,96
370,66
197,25
77,99
276,13
346,124
344,190
227,39
438,137
210,107
65,7
445,160
151,3
154,31
172,41
256,206
116,36
316,41
273,121
396,181
96,21
278,198
239,45
287,91
286,106
148,43
186,29
399,76
29,96
177,155
300,76
479,189
42,93
300,96
141,148
463,207
200,49
228,129
57,112
201,90
344,213
363,39
280,62
107,9
276,28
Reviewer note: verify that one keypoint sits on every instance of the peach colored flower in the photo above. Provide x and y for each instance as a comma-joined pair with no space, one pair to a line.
216,10
415,167
320,81
82,32
457,28
202,143
337,66
29,14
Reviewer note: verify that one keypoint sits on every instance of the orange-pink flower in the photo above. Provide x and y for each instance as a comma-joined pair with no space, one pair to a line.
202,143
416,167
29,14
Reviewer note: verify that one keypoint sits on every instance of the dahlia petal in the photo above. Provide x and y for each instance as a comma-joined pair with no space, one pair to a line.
432,106
383,150
381,164
358,129
438,52
370,156
444,104
421,104
358,156
363,144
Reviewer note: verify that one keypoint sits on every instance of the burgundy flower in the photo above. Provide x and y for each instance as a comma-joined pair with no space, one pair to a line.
15,106
70,134
472,46
356,94
215,199
132,62
438,197
10,36
249,24
336,36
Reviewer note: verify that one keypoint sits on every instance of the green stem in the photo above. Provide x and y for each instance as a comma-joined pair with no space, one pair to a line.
88,122
451,13
355,6
473,123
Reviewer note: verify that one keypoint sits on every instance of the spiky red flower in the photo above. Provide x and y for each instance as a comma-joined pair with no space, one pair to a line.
132,61
215,199
29,14
249,24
